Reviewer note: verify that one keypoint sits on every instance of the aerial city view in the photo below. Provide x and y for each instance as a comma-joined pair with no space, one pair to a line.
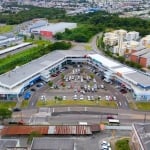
74,74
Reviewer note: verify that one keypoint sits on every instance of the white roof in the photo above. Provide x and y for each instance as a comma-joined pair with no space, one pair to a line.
105,61
57,27
123,70
13,48
23,73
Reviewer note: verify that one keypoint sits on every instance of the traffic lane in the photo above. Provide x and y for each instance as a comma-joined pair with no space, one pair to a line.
121,99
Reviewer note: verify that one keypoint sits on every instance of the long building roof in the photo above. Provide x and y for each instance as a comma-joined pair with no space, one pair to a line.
27,71
139,78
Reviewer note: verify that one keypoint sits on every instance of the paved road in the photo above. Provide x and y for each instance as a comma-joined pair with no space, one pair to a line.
41,115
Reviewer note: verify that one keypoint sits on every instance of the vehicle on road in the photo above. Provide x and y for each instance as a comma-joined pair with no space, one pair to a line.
114,122
16,109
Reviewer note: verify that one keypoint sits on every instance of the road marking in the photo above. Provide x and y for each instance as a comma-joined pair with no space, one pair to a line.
68,108
120,103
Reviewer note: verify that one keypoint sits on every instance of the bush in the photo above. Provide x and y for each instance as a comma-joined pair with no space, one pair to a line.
122,144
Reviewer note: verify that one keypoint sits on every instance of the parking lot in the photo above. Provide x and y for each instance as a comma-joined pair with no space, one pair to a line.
82,82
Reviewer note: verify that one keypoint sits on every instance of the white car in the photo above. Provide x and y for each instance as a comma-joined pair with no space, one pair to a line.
75,97
114,98
102,86
64,97
88,98
81,97
107,98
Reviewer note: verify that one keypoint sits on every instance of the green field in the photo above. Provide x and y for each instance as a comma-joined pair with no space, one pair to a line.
24,103
7,104
143,106
6,28
101,103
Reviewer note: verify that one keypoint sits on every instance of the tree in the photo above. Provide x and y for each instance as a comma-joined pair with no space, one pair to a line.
5,113
32,36
50,83
25,38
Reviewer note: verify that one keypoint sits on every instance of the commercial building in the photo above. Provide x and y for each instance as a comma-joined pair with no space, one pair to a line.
15,82
140,136
134,80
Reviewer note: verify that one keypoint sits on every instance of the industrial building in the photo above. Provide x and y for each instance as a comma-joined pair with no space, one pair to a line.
140,136
8,40
15,82
51,29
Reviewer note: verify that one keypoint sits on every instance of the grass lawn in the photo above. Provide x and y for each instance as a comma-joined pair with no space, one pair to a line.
24,103
88,47
7,104
101,103
143,106
132,105
6,28
122,144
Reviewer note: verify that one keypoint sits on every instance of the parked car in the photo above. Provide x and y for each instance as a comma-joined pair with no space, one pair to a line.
123,91
75,97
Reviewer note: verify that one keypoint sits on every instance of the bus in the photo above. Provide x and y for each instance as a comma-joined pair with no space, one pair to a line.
114,122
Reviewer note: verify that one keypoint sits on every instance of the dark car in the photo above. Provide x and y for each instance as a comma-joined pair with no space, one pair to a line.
16,109
110,117
33,90
123,91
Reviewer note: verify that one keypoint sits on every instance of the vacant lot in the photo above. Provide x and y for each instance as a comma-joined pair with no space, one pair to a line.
5,28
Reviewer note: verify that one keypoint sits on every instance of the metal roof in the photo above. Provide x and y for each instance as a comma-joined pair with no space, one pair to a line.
14,48
23,130
105,61
47,130
70,130
27,71
142,52
140,78
143,133
45,143
4,143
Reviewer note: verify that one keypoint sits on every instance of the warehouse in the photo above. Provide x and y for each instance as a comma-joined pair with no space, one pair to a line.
51,29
